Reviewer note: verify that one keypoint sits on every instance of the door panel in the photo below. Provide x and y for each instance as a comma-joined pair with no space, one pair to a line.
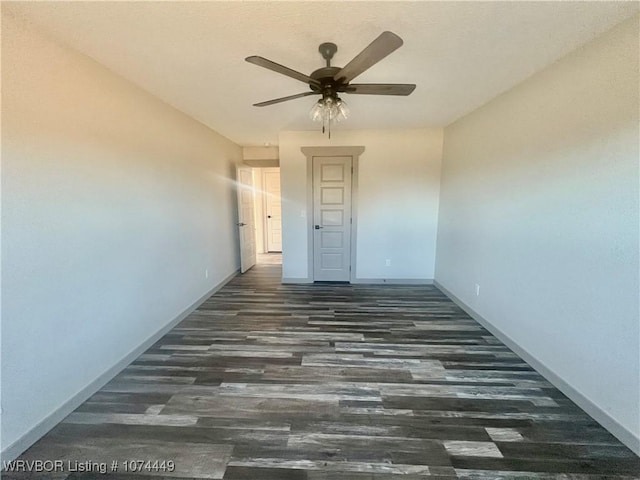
273,210
246,220
332,195
331,239
332,173
332,261
332,218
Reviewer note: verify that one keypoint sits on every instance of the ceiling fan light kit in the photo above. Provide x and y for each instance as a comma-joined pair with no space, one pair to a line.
329,109
329,81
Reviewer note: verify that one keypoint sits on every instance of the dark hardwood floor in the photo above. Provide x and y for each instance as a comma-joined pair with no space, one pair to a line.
325,382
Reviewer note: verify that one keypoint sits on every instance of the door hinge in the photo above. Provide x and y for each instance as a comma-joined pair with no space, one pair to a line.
351,221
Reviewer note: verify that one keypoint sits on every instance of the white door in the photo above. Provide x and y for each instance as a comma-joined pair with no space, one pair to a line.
273,209
246,221
332,219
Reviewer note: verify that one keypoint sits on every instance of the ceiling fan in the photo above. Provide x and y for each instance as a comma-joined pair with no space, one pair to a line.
329,81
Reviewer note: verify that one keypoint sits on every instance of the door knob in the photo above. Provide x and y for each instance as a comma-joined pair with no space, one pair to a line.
318,227
268,216
241,224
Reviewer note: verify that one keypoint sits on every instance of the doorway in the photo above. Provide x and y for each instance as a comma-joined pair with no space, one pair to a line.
272,210
332,180
259,216
332,218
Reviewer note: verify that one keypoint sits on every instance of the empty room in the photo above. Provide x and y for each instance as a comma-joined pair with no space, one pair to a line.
320,240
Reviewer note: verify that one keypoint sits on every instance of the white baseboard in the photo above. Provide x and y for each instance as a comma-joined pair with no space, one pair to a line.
25,441
370,281
394,281
598,414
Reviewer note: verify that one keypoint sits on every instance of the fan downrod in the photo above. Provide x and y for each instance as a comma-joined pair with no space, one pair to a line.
327,50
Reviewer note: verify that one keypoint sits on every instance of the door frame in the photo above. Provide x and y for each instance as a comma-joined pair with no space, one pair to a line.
354,153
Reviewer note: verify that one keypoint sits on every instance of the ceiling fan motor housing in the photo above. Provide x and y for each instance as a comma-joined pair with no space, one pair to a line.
325,76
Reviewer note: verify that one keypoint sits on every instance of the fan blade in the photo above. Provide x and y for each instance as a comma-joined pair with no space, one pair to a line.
284,99
276,67
380,88
382,46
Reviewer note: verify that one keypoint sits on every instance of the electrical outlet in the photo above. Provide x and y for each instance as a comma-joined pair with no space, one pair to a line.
387,262
477,290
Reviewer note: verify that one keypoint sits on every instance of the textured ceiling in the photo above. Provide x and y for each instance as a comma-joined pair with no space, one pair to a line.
191,54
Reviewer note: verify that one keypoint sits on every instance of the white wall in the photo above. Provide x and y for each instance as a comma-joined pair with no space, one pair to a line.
113,207
539,206
260,153
397,212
